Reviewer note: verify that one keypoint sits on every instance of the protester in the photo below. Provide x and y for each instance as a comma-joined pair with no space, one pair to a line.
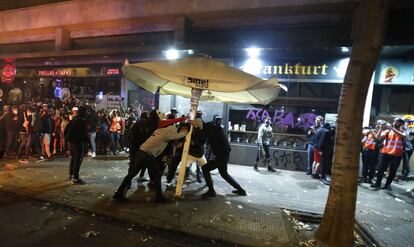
220,147
319,148
77,135
91,124
264,137
146,156
310,133
408,152
44,130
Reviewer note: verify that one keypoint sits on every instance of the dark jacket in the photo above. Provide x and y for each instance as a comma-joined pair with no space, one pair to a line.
91,122
76,131
322,138
138,133
46,124
312,135
216,139
198,139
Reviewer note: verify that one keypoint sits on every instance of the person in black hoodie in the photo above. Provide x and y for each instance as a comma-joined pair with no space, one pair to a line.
11,123
77,135
220,148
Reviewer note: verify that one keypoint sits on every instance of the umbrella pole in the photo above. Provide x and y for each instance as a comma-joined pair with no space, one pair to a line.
195,97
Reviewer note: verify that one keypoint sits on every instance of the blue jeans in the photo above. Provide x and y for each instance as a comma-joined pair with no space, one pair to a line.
309,151
92,138
114,142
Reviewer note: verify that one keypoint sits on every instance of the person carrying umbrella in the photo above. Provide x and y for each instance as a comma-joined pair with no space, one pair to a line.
146,156
220,148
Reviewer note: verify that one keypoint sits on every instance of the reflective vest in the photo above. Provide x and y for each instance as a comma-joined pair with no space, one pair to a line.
393,143
370,142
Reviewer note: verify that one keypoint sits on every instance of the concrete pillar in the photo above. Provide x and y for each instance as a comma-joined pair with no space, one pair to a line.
62,39
181,25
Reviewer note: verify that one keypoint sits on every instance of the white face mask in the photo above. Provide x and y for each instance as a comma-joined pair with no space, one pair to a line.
15,112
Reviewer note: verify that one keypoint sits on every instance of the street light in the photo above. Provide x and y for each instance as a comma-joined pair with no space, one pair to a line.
171,54
253,52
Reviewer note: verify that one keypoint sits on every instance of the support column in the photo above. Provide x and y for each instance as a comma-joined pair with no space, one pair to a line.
181,25
62,39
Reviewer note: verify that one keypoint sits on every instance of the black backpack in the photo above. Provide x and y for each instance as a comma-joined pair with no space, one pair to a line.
139,133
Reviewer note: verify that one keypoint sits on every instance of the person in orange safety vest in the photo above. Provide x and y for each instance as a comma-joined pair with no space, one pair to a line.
391,152
369,152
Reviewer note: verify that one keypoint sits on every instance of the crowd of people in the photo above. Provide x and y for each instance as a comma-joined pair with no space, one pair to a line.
38,129
383,147
155,142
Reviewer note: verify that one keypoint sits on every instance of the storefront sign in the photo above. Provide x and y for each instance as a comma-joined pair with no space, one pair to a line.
331,71
8,73
394,72
55,72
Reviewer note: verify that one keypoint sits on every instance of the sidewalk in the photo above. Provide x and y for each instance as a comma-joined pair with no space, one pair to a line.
227,218
254,220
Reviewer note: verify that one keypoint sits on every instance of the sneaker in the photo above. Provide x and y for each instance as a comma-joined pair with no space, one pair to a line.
374,185
270,169
256,168
240,192
78,181
89,154
93,155
208,194
119,197
316,176
70,178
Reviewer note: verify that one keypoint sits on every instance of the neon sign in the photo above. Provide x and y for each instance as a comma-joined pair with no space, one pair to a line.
8,73
55,72
112,72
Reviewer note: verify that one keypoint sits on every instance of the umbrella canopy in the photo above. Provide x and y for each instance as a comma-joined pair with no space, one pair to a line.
219,82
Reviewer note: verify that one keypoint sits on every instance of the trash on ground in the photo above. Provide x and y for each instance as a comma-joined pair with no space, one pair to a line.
10,167
399,200
89,234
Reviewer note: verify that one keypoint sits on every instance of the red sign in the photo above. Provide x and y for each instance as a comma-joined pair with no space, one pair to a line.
55,72
8,73
112,72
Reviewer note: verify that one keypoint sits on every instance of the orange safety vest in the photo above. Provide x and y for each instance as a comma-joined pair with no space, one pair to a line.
369,143
393,144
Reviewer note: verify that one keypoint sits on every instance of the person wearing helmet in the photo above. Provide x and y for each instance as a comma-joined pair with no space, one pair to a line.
393,138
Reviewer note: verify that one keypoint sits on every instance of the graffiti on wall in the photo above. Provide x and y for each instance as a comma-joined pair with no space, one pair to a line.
290,160
282,118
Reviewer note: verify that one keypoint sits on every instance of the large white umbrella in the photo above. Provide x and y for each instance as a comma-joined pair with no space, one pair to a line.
201,78
219,82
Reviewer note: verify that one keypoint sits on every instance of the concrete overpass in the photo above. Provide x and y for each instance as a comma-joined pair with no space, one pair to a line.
96,31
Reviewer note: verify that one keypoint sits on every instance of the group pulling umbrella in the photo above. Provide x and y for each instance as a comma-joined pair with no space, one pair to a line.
201,78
